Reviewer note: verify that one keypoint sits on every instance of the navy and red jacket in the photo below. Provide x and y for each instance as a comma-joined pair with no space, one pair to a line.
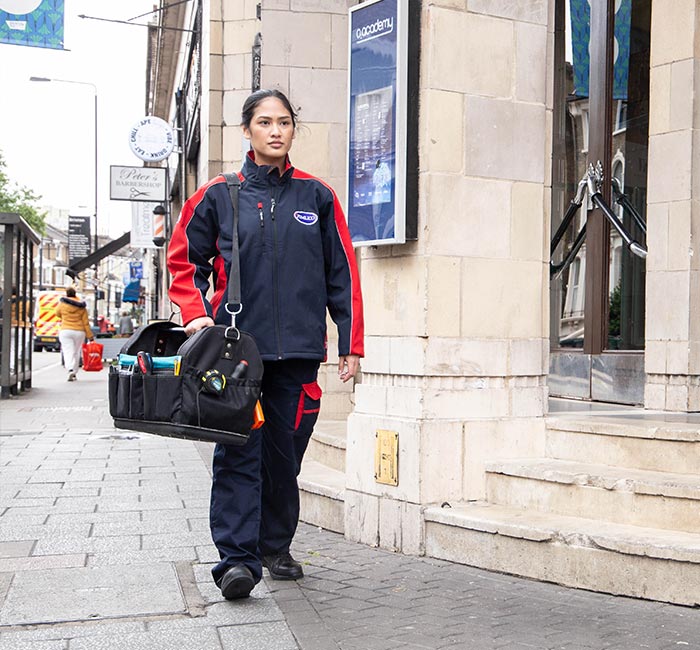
296,260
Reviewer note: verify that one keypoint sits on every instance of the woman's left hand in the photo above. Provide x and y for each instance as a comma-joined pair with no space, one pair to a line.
348,365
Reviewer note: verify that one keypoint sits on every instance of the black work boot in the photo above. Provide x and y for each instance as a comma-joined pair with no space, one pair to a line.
283,567
237,582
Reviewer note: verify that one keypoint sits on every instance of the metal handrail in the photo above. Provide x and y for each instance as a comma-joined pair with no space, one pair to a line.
555,270
634,246
595,181
591,183
622,200
573,208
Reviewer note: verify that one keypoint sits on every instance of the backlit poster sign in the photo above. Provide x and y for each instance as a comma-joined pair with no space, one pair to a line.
377,123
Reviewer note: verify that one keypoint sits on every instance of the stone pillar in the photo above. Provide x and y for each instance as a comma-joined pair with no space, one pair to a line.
240,25
672,357
210,160
305,56
457,341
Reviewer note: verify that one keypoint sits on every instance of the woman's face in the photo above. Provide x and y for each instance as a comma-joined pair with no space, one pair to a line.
271,132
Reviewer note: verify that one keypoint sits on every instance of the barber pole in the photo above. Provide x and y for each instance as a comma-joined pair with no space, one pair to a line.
159,225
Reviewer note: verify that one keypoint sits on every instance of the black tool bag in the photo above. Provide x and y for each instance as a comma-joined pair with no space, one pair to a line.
183,405
205,393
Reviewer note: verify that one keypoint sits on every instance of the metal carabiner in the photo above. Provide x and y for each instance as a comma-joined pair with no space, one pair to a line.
234,313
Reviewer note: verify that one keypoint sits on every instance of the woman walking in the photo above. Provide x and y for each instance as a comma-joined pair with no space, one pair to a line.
75,328
296,261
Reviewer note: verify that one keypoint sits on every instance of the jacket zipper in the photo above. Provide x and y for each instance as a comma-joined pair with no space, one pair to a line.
273,202
262,223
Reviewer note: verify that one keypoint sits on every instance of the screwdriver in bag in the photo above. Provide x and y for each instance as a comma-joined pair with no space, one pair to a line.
240,369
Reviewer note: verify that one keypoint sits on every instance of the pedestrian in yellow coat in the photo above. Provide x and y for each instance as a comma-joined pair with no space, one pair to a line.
75,327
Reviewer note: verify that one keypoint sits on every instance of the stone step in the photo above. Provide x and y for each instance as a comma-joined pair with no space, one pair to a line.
653,443
625,496
322,496
600,556
328,443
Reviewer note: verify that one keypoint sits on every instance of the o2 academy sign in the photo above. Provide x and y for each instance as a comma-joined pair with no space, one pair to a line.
137,183
380,27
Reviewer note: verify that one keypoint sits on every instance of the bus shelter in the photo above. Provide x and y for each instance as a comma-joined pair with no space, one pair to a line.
18,244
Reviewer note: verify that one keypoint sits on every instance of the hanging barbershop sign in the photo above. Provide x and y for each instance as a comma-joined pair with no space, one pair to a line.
137,183
151,139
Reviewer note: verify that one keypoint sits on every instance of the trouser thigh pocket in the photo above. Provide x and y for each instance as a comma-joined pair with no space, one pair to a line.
307,409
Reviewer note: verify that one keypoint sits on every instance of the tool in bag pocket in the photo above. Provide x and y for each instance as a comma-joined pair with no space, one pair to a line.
214,382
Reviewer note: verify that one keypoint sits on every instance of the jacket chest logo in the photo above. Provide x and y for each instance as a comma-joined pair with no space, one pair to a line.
306,218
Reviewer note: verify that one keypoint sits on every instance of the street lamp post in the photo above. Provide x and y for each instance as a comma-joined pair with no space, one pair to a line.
94,89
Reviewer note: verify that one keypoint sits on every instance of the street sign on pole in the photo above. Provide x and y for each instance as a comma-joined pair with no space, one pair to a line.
78,238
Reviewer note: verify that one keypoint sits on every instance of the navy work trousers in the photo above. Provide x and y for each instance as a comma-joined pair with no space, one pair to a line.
255,497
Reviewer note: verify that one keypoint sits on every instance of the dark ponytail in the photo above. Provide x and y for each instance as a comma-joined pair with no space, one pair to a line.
258,96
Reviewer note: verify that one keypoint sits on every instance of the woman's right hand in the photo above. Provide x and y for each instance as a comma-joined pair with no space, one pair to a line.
198,324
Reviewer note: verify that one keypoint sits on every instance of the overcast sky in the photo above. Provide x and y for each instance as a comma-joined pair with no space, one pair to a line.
46,129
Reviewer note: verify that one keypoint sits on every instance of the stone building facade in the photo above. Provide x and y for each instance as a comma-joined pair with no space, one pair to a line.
460,356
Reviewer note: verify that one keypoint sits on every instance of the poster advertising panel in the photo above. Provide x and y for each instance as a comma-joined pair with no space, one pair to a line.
35,23
377,123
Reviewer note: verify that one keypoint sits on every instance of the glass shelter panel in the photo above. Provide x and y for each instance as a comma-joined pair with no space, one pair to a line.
4,300
17,252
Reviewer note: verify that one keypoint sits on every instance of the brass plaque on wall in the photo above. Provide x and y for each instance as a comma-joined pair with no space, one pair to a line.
386,457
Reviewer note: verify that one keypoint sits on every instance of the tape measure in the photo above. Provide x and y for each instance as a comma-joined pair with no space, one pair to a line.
214,381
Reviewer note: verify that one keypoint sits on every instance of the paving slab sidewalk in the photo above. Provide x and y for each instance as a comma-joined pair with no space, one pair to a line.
104,538
104,543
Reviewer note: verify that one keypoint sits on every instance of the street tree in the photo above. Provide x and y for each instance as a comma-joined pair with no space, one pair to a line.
21,200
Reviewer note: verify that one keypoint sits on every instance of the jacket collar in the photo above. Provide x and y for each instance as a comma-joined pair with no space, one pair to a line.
265,174
73,301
